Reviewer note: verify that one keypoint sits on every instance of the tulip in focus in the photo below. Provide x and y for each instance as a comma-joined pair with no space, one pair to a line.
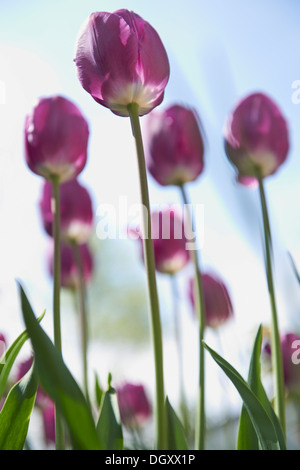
169,241
56,139
175,147
134,404
256,137
218,306
120,60
69,270
76,212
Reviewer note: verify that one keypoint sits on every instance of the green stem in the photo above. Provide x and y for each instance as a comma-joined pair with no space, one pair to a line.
279,400
161,423
200,313
59,433
81,291
183,403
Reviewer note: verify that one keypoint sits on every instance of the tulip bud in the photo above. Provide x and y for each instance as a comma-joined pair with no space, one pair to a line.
69,269
256,137
56,139
120,59
134,404
290,347
76,212
174,148
169,241
217,303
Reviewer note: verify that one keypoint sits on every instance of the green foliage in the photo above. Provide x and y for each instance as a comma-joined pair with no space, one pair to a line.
109,426
176,434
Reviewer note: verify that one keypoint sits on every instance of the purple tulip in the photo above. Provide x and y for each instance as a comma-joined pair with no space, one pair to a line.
48,416
134,404
290,346
76,212
56,139
169,241
256,136
69,270
120,59
218,306
174,149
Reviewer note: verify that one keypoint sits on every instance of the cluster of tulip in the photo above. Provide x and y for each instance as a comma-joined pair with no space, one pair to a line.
122,63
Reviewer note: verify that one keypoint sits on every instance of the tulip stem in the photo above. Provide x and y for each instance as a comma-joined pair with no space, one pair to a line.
81,292
161,423
59,432
200,313
279,399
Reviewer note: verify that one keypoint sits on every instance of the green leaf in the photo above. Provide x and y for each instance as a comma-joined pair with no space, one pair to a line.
247,439
16,412
98,391
8,358
59,384
176,434
260,419
109,426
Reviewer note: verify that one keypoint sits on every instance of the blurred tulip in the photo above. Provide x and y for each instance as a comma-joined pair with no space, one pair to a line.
175,147
134,404
69,270
290,346
120,60
218,306
76,212
56,139
169,241
256,136
48,416
2,344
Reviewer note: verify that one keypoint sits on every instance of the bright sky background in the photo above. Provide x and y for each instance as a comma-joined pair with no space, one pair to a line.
219,51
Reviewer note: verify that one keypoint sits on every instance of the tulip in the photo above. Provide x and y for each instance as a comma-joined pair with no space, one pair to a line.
69,268
134,404
169,241
256,136
120,59
2,345
218,306
56,139
76,212
175,145
290,344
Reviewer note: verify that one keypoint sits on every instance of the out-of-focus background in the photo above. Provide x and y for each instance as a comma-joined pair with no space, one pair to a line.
219,51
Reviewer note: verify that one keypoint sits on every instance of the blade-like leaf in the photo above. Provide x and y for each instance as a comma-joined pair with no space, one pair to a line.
261,421
16,412
9,357
247,438
109,424
98,391
176,435
59,384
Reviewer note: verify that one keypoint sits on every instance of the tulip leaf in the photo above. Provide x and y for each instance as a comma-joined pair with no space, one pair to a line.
16,412
8,358
109,426
262,423
247,438
176,434
59,384
98,391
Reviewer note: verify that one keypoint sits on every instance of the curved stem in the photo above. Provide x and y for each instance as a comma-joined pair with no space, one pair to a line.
279,401
59,433
161,424
200,312
81,291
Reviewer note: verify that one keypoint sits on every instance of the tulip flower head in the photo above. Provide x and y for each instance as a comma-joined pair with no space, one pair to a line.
69,269
76,212
290,346
218,306
2,344
56,139
175,147
256,137
134,404
169,241
120,60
